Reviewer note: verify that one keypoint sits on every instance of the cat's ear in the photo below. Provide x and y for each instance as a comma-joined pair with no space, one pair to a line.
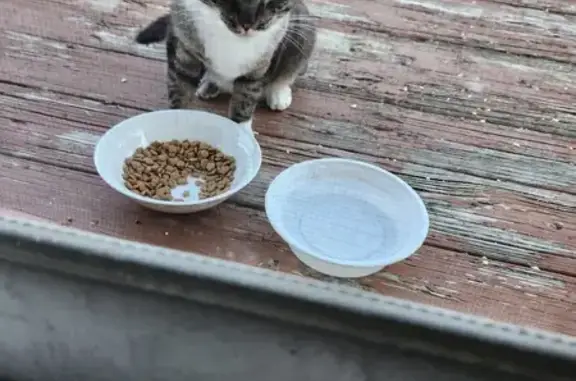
156,31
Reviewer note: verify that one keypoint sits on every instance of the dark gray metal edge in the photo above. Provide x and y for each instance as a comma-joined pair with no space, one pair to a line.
306,302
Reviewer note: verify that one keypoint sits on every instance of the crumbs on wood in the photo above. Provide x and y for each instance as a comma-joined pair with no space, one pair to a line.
162,166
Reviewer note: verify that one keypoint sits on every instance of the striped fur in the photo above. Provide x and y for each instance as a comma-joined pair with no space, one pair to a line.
253,49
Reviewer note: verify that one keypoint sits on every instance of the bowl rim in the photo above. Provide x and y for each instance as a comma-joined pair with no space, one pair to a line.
409,250
222,196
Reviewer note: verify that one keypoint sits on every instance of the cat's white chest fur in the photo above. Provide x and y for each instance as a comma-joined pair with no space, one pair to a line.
230,55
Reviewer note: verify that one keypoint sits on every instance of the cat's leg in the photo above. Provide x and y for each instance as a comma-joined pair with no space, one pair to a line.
279,93
291,64
245,97
178,91
184,73
291,60
279,96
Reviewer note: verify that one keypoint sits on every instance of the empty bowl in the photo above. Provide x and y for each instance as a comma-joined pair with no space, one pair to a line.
346,218
121,141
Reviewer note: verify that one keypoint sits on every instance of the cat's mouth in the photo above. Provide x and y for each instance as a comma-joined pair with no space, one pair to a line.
249,29
245,30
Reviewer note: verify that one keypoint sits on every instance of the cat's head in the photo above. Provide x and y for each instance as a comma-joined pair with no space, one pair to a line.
245,16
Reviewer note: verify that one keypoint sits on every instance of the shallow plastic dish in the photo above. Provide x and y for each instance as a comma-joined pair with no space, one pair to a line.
120,142
346,218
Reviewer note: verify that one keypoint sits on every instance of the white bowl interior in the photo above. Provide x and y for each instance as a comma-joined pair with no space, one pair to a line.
347,212
122,140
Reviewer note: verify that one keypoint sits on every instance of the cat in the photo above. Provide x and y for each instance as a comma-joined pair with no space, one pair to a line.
251,49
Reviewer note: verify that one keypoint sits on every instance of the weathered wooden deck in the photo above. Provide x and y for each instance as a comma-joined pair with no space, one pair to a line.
472,102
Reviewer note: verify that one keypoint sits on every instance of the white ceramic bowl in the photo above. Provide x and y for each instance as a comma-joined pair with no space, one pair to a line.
120,142
346,218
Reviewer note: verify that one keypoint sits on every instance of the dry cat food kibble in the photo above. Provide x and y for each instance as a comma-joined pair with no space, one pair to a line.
157,169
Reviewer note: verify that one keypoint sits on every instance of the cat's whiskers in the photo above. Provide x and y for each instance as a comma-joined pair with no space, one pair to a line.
299,31
302,23
304,19
302,27
294,43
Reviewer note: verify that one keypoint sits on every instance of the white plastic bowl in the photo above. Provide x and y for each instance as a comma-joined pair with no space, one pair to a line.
346,218
120,142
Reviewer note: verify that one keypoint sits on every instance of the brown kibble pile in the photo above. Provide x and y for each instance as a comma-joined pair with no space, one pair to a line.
157,169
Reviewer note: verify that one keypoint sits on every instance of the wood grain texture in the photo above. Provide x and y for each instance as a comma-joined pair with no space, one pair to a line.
471,102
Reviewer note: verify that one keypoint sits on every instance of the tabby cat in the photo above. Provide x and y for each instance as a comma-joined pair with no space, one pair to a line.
252,49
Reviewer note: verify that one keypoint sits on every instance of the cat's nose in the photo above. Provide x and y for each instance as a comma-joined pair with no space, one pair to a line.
247,17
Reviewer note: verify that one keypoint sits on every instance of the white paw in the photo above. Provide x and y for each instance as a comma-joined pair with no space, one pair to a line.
207,90
279,98
201,86
247,124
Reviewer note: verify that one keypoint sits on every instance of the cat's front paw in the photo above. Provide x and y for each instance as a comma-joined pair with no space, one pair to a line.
207,90
279,98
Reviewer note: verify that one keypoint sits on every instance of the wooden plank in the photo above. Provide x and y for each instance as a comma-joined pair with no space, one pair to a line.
421,147
441,277
530,95
508,26
69,127
487,138
68,143
429,64
562,7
